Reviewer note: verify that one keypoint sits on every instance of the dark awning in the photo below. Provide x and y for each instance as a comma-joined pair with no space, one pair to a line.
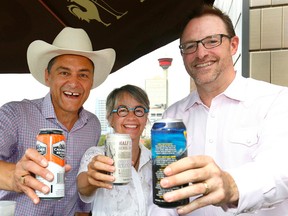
132,27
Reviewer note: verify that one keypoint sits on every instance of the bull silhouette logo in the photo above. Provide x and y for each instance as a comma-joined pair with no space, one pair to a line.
88,10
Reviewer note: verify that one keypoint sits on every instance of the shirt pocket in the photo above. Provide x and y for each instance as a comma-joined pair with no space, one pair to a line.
244,136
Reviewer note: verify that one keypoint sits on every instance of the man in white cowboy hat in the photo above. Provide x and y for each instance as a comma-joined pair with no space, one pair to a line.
70,68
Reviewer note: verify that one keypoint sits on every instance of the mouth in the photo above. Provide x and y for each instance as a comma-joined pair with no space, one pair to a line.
205,64
129,126
71,94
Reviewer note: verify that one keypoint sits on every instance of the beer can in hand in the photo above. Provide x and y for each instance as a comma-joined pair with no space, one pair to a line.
168,144
51,144
119,148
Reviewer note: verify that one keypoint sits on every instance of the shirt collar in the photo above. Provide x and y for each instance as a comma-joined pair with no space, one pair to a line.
48,110
235,91
145,156
47,107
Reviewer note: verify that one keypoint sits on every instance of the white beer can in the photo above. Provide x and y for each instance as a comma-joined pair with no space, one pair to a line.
119,148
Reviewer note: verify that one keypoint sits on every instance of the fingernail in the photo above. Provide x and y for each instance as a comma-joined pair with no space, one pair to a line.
112,179
167,171
45,189
36,201
49,177
180,210
168,197
44,163
111,161
164,182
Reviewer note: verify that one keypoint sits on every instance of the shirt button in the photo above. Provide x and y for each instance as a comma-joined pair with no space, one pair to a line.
211,140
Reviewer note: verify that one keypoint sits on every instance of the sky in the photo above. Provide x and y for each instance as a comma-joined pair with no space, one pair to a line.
15,87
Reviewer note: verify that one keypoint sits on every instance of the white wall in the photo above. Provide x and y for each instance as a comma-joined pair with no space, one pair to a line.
234,9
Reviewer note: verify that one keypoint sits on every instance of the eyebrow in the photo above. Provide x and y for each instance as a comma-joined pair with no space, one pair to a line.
68,69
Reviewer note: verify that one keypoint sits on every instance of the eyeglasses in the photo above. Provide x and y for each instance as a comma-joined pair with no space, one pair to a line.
123,111
208,42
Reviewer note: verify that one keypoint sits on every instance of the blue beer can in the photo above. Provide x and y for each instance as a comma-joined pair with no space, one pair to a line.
168,144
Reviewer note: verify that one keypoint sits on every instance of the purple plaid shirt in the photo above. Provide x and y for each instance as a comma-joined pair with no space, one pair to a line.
19,125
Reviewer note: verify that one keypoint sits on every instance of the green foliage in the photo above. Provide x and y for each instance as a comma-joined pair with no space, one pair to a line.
102,140
147,142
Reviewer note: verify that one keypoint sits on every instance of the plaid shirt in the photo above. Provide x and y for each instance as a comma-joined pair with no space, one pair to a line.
19,125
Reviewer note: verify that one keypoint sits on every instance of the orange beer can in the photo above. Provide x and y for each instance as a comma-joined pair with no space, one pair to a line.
51,144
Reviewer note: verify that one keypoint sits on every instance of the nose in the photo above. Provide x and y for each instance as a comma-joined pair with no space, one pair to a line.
131,114
73,81
201,51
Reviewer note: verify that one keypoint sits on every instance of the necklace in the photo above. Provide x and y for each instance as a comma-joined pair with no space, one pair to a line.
137,160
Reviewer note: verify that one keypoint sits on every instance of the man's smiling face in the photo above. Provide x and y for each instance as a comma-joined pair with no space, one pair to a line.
70,80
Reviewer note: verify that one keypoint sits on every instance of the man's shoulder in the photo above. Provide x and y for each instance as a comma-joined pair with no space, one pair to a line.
262,88
89,114
178,108
90,117
25,103
184,102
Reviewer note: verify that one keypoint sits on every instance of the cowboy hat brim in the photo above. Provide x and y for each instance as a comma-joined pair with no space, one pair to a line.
39,54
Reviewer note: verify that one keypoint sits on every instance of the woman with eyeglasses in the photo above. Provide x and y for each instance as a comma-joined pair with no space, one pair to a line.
127,113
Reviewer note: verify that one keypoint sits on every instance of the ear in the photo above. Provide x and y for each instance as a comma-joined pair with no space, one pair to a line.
47,77
234,45
92,81
110,122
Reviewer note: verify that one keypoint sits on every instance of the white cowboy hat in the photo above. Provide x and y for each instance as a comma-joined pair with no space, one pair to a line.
69,41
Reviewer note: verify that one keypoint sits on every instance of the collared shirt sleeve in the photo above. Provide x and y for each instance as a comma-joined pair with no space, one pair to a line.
88,156
86,159
245,132
20,122
263,182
